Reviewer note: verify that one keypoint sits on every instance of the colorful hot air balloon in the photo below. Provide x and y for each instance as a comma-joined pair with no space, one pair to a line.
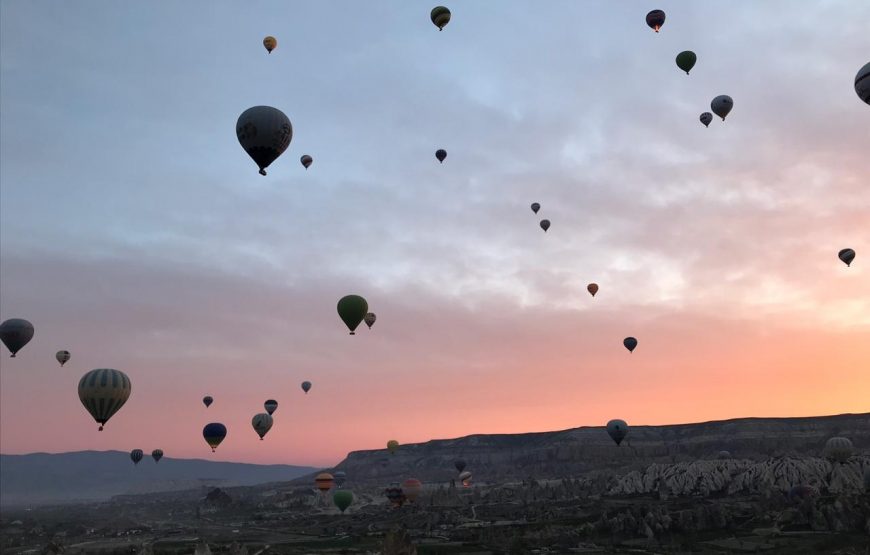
306,160
157,454
441,154
686,60
545,225
412,488
262,423
838,449
862,83
270,406
630,343
352,309
340,477
465,478
655,19
62,357
265,133
207,401
103,392
535,207
440,16
392,446
846,255
324,481
306,386
459,464
706,118
592,288
617,430
342,499
136,455
394,494
15,334
370,319
214,434
270,43
721,105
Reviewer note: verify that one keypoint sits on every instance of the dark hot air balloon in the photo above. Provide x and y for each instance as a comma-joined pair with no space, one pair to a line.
15,334
270,406
706,118
721,105
214,434
352,309
62,357
103,392
441,154
136,455
617,430
157,454
306,160
535,207
686,60
545,225
265,133
846,255
592,288
306,386
207,401
630,343
440,16
342,499
270,43
655,19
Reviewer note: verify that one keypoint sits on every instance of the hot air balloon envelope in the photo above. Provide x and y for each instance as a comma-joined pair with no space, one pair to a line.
440,16
617,430
352,309
655,19
103,392
265,133
686,60
630,343
15,334
846,256
214,434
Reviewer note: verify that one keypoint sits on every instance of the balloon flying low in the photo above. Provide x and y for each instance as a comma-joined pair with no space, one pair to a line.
157,454
545,225
392,446
342,499
103,392
265,133
324,481
460,465
340,477
839,449
617,430
15,334
412,488
136,455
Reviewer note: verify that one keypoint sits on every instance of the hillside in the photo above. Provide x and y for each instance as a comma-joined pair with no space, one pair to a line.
42,478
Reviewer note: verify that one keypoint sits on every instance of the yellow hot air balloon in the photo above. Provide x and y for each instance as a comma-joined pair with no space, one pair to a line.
392,446
270,43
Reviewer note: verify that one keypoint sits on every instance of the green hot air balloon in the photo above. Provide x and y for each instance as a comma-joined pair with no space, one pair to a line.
440,16
686,60
342,499
352,309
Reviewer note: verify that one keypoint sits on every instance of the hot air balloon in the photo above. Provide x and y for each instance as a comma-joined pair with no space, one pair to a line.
62,357
465,478
686,60
460,465
592,288
392,446
306,160
262,423
324,481
440,16
340,477
535,207
838,449
214,434
270,406
306,386
207,401
370,319
655,19
617,430
265,133
394,494
136,455
342,499
412,488
352,309
441,154
157,454
722,455
103,392
862,83
721,105
270,43
545,225
706,118
846,255
15,334
630,343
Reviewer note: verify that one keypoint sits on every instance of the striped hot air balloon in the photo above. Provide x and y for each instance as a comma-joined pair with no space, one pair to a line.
103,392
324,481
839,449
157,454
394,494
136,455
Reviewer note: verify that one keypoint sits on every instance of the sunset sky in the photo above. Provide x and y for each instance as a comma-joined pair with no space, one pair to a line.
136,232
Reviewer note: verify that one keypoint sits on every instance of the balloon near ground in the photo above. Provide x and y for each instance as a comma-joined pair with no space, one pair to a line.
440,17
265,133
324,481
839,449
62,357
270,43
460,465
262,423
412,488
214,434
630,343
706,118
352,309
392,446
721,105
846,256
617,430
686,60
157,454
394,494
136,455
655,19
342,499
15,334
862,83
340,477
103,392
465,478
